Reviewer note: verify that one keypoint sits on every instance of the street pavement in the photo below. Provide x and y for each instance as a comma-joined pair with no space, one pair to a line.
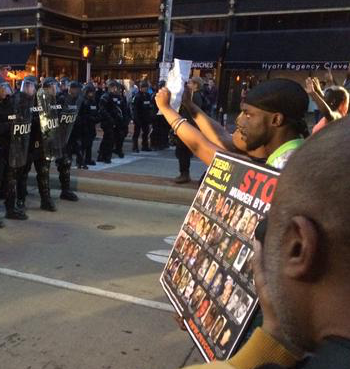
144,176
86,292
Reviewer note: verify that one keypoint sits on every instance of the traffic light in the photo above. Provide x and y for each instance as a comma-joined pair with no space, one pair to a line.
86,52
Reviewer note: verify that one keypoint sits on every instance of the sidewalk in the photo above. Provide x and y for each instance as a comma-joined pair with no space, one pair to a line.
143,176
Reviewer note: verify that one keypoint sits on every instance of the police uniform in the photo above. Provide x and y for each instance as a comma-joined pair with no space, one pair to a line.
89,117
72,147
121,129
111,123
142,118
36,156
19,110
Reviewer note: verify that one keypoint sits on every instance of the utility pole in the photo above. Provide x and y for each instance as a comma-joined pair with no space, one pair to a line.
168,38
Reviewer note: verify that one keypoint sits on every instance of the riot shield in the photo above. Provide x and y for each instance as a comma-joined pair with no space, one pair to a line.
68,115
20,128
49,112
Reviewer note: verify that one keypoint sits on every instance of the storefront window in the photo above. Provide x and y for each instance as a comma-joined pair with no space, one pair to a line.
124,51
60,39
59,67
27,34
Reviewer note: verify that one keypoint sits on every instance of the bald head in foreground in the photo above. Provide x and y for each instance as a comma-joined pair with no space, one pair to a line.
305,260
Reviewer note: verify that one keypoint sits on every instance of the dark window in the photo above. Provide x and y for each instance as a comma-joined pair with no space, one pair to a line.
5,36
197,26
60,39
293,21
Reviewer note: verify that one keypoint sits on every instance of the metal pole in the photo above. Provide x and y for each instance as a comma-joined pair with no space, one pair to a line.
168,13
88,71
164,65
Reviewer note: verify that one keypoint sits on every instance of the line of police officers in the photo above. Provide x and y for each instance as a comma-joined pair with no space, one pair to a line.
39,124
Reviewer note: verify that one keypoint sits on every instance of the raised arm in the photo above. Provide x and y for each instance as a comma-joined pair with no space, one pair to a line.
324,108
189,135
210,128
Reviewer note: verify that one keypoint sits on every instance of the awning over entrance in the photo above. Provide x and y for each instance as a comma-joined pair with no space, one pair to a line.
290,50
203,50
16,55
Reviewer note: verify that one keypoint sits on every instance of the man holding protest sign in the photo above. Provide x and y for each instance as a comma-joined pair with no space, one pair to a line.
302,266
271,124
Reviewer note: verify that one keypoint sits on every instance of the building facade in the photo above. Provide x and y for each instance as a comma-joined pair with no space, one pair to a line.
232,41
46,37
262,39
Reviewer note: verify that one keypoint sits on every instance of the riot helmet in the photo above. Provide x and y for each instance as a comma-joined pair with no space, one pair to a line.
113,86
64,84
5,89
89,90
50,85
74,88
28,85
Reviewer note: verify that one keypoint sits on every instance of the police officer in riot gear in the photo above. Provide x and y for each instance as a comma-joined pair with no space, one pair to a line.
142,108
70,142
5,111
40,155
20,129
89,117
121,130
70,121
111,123
63,86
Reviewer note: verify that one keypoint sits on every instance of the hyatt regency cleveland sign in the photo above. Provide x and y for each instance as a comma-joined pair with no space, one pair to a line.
305,66
290,66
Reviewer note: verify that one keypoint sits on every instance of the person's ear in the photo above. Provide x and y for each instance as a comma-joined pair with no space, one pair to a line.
277,119
301,249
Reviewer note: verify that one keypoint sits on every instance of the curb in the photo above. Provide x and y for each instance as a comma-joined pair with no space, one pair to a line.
130,190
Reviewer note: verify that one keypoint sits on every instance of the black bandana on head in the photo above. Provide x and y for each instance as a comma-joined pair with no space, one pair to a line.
280,96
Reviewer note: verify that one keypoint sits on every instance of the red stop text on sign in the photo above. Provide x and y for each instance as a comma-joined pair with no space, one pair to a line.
256,181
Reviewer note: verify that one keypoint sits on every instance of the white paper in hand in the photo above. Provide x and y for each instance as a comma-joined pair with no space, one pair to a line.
177,78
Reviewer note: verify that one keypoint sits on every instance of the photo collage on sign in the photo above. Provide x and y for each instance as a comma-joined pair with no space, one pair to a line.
210,271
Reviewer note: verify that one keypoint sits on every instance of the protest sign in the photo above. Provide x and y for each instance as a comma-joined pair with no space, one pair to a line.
208,276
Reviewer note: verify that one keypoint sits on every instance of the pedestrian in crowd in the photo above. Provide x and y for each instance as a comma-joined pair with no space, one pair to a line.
111,122
244,92
182,152
271,126
212,95
333,103
346,82
304,252
142,116
89,118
